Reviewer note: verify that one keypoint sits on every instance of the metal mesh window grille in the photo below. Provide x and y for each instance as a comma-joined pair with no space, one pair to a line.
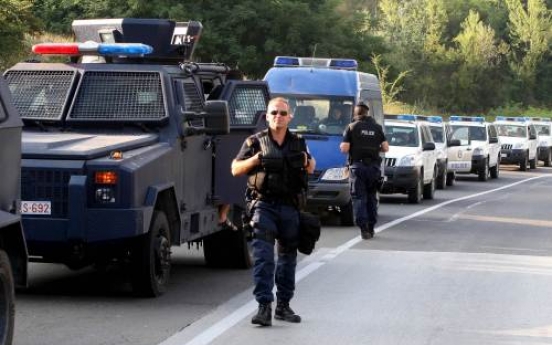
193,101
40,95
119,96
245,103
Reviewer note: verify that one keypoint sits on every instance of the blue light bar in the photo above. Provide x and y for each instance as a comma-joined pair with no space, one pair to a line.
344,63
435,119
403,117
513,118
286,61
127,49
456,118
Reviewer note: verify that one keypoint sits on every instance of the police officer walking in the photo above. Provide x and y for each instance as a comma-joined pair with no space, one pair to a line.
277,163
363,140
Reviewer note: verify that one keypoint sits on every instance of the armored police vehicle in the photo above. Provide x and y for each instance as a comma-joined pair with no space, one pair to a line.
322,93
445,176
124,149
479,149
411,162
543,126
519,141
13,251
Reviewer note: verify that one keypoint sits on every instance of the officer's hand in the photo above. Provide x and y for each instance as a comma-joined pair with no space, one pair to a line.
256,159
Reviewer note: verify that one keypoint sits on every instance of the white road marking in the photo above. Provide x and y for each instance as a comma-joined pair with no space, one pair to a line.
218,328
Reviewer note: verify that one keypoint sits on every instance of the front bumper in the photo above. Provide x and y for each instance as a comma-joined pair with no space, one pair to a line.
322,194
400,179
513,156
478,163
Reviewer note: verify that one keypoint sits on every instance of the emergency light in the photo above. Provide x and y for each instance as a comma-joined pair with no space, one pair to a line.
92,48
403,117
292,61
435,119
540,119
512,118
456,118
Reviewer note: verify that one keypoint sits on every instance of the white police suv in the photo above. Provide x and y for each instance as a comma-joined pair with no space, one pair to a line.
445,175
411,162
519,141
479,147
544,149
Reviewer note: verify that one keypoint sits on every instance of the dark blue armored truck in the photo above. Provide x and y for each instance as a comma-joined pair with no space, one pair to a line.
13,252
126,149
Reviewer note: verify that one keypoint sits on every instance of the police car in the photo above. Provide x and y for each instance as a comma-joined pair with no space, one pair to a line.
411,162
519,141
445,175
479,149
544,150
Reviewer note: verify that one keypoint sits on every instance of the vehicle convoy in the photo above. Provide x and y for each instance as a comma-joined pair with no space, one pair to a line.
411,162
124,149
519,141
441,137
544,150
13,251
317,89
479,149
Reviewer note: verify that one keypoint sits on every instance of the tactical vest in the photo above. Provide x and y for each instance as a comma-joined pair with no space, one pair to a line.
365,141
281,175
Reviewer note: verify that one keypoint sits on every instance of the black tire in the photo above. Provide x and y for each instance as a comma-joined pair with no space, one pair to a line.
442,179
533,163
415,194
495,171
451,178
228,248
151,258
548,158
346,216
523,165
483,173
7,300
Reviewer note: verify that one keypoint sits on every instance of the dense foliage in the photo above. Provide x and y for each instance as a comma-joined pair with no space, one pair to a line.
466,56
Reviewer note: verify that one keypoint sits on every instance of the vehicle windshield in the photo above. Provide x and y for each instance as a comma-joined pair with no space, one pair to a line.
401,136
438,134
515,131
543,129
319,114
467,133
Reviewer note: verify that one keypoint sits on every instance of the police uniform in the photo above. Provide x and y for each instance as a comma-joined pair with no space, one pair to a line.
275,189
365,137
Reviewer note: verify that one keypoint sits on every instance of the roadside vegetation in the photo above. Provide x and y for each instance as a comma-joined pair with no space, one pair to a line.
490,57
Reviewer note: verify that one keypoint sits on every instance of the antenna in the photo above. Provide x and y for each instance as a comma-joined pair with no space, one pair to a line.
314,50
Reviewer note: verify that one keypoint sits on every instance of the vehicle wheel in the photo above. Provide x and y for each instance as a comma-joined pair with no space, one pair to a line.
429,190
495,171
442,179
415,194
483,173
151,258
451,178
548,158
523,165
228,248
346,216
7,300
533,163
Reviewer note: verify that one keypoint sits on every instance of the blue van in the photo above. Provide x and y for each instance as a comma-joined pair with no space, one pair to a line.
322,93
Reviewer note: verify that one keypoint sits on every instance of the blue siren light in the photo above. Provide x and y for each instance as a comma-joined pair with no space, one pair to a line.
286,61
124,49
92,48
435,119
344,63
457,118
406,117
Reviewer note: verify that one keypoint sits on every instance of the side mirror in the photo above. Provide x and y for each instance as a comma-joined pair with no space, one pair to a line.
454,142
493,140
428,146
217,117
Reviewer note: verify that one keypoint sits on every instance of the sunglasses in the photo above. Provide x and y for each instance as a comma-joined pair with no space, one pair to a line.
281,112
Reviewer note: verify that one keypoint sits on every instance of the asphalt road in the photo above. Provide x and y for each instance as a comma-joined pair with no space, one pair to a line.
472,266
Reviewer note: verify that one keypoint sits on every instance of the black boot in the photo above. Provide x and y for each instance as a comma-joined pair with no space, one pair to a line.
367,231
284,312
263,316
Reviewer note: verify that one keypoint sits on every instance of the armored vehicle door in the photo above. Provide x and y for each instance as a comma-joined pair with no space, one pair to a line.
247,103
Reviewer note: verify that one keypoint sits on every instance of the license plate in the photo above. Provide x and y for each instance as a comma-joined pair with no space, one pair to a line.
503,155
36,207
460,165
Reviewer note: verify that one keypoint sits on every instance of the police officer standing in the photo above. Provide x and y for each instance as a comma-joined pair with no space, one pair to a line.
276,162
363,140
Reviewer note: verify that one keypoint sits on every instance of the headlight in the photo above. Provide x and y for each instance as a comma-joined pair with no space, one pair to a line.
408,161
478,151
518,146
335,174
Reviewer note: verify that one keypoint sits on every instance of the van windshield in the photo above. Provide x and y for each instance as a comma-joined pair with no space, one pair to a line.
319,114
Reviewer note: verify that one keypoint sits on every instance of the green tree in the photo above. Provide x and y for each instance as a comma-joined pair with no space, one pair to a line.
17,20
